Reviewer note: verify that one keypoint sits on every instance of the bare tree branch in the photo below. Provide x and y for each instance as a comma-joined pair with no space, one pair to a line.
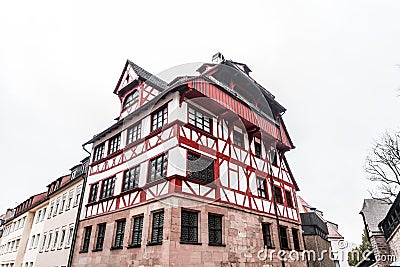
383,166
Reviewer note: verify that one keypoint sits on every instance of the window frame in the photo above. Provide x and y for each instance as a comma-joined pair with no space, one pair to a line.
119,234
137,231
100,235
111,189
296,239
257,152
132,178
93,196
284,239
278,197
138,135
203,119
264,189
86,239
135,98
217,232
190,227
157,239
236,138
78,193
193,177
150,174
114,144
96,155
289,199
267,235
155,114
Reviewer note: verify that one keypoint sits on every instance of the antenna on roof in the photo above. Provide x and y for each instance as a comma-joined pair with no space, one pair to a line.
218,58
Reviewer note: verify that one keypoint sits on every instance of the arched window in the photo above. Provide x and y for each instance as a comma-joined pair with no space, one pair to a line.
131,98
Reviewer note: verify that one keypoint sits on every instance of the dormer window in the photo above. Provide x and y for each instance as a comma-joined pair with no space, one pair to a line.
131,99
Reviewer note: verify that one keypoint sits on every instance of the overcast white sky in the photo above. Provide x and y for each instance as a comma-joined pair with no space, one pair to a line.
332,64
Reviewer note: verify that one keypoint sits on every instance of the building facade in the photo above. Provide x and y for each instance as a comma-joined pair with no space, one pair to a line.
17,230
193,173
43,228
321,234
65,195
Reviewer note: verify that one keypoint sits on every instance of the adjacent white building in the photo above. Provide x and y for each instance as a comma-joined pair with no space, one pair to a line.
17,231
61,216
41,231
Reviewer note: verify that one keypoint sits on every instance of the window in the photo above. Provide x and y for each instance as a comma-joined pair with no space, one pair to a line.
278,195
49,240
32,242
137,231
70,197
56,207
131,179
93,192
77,195
283,237
101,231
70,235
158,119
238,138
64,198
296,242
134,133
114,144
53,247
261,187
119,234
273,157
214,229
200,168
86,239
98,152
38,216
37,241
107,188
257,149
198,119
62,238
43,214
189,226
157,227
131,99
289,200
158,168
266,231
43,242
51,209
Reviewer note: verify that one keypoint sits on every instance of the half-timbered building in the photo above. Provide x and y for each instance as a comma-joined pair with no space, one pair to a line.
193,173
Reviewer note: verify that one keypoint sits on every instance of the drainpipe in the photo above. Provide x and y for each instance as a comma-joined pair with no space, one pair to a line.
276,208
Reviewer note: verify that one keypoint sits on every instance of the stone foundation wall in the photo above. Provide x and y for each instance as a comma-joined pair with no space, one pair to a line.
242,239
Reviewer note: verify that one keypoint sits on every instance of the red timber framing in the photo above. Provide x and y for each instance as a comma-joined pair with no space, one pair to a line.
277,131
236,168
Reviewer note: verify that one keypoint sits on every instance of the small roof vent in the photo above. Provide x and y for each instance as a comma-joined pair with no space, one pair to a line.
218,58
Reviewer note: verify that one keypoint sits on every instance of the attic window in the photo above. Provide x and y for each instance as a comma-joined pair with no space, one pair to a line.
131,99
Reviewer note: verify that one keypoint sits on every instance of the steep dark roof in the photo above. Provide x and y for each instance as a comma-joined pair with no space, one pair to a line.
144,75
153,79
373,212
